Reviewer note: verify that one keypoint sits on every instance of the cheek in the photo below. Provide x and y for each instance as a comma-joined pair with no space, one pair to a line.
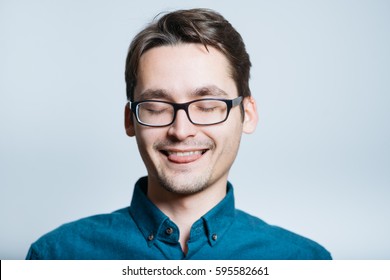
145,139
226,137
232,136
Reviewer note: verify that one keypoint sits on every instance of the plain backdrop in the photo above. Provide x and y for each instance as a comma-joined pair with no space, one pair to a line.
318,163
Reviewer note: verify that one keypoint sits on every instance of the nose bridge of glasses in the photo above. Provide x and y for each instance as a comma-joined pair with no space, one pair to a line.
181,106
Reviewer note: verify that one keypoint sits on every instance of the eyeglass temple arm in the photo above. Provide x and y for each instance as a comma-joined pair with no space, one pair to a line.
236,101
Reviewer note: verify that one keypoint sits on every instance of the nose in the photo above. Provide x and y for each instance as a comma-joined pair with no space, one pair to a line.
182,127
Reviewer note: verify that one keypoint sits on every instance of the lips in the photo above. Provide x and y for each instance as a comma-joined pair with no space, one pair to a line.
183,156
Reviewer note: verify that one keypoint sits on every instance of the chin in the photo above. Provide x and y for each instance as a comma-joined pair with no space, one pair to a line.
182,185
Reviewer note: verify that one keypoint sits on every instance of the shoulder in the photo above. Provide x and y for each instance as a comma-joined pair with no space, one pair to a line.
76,239
96,223
275,242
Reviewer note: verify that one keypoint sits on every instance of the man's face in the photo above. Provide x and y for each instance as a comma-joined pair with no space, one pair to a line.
185,158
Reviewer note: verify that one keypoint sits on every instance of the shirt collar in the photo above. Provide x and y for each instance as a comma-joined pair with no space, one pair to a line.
153,223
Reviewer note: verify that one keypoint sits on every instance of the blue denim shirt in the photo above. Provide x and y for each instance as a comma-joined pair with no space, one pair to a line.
142,231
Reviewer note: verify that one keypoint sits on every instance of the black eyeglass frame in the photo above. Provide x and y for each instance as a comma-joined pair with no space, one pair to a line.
230,103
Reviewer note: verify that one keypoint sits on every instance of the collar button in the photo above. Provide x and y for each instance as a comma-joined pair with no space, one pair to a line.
169,231
214,237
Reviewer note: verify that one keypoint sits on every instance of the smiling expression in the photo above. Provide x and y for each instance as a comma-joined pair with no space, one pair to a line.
184,158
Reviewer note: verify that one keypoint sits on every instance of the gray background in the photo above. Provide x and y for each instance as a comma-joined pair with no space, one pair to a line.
318,163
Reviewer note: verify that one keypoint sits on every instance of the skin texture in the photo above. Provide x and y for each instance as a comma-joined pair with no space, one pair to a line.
187,164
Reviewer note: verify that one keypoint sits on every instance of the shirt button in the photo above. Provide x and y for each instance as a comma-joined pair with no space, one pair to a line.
169,231
214,237
151,237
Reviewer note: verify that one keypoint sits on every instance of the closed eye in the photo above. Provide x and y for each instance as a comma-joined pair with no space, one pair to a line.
206,109
155,112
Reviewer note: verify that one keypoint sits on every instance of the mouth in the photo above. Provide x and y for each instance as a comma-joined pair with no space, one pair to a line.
183,156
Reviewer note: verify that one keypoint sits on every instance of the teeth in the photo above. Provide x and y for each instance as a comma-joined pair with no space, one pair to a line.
185,154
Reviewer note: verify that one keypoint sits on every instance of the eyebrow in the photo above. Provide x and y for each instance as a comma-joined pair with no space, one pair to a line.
211,90
154,94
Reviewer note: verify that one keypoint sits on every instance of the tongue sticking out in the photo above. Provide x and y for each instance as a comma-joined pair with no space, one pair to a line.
184,157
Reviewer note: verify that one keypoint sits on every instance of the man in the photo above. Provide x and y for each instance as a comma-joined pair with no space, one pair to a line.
187,80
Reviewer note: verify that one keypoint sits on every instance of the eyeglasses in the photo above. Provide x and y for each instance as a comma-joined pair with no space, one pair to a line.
207,111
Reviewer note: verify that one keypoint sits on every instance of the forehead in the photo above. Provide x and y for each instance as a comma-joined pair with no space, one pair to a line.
184,68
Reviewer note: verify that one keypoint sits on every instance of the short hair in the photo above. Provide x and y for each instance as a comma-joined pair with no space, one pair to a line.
202,26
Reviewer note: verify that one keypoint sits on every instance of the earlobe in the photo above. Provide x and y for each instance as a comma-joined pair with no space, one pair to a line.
251,116
129,125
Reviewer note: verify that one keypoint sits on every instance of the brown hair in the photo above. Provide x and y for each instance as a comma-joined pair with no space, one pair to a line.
202,26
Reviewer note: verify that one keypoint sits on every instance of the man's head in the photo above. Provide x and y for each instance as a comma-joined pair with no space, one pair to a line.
176,78
201,26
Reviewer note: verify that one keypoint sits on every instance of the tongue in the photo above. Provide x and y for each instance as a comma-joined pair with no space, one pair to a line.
184,159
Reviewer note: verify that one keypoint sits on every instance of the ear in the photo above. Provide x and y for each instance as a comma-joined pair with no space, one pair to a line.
251,116
129,124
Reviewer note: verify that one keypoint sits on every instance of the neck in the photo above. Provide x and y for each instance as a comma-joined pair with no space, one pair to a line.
185,210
